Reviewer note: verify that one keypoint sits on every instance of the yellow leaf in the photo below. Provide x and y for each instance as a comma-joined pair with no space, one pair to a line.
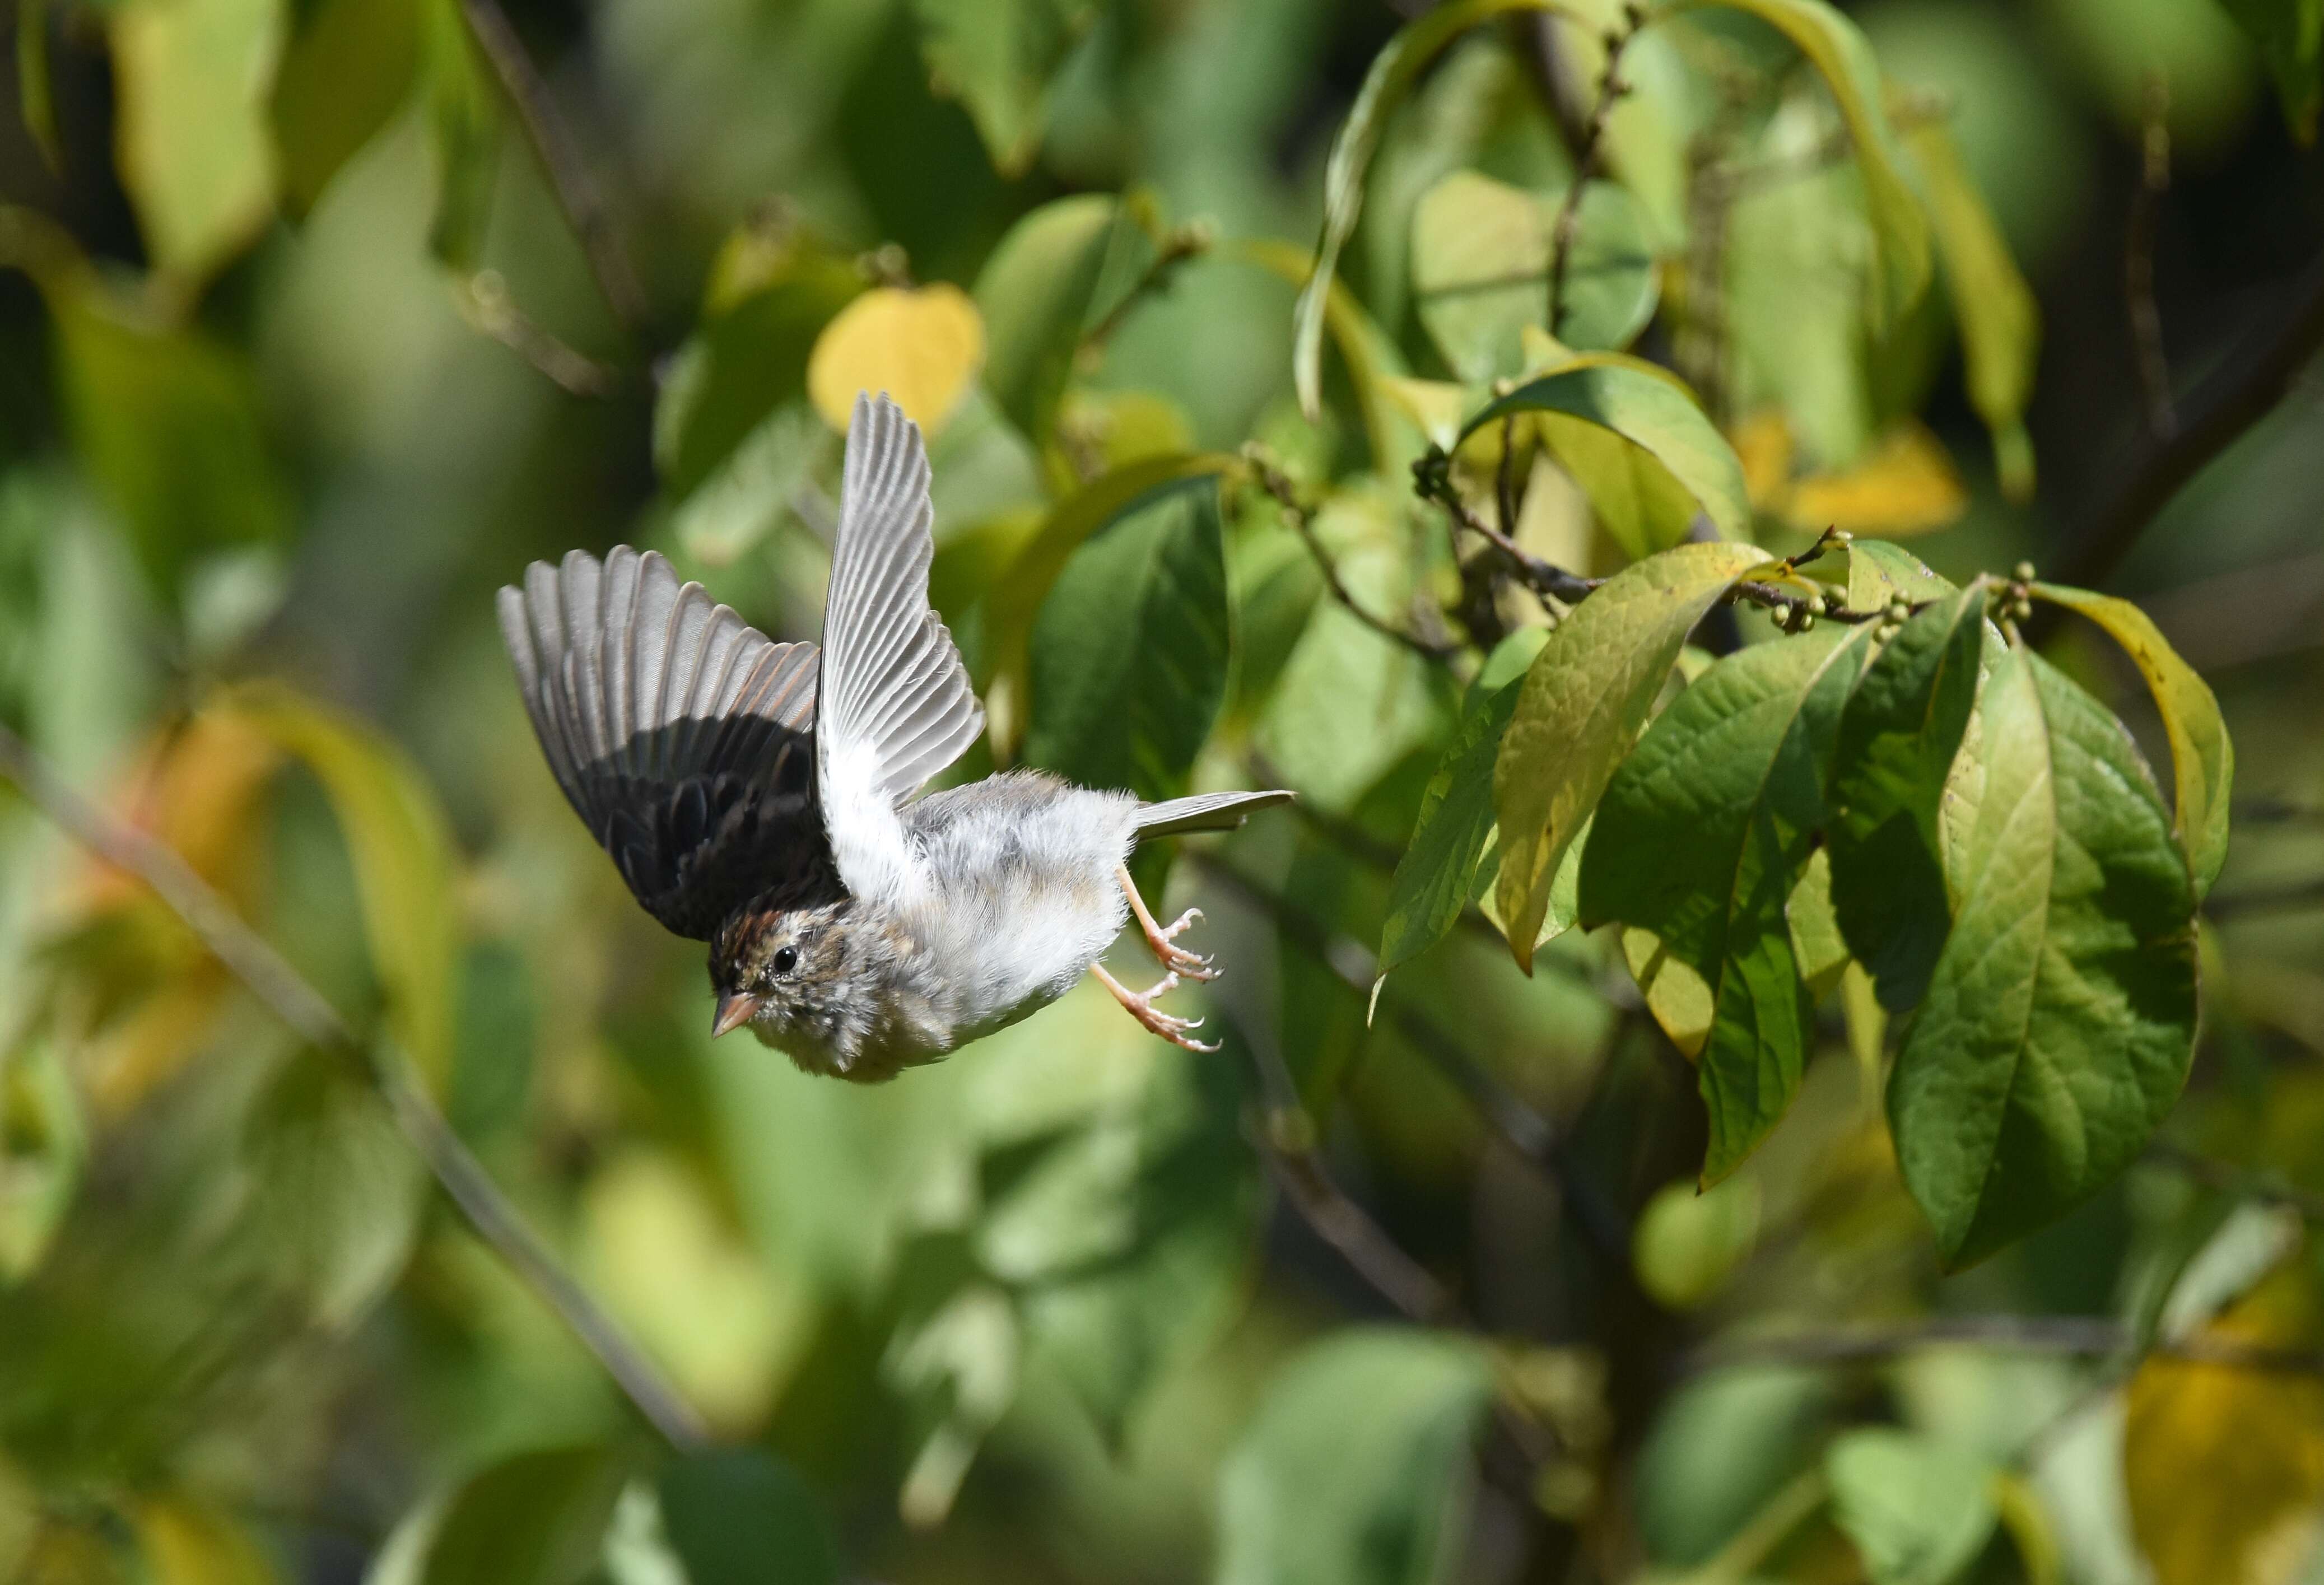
1763,445
2225,1465
188,1545
923,346
1676,994
1906,485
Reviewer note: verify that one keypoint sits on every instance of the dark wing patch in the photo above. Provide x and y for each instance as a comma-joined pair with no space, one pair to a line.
682,736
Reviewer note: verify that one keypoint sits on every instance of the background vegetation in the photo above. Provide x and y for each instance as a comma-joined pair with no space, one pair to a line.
320,319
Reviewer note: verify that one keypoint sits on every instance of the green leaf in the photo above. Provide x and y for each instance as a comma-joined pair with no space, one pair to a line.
1018,597
1039,295
999,57
1701,837
738,1517
1897,739
35,89
1393,72
1371,358
1878,572
748,357
2202,759
192,138
1584,698
1437,875
1839,51
167,423
2060,1022
2000,322
400,845
1651,409
463,122
1481,257
43,1144
1171,1184
1634,496
1918,1510
338,1192
538,1518
2289,34
349,67
1129,650
1316,1495
1816,941
745,495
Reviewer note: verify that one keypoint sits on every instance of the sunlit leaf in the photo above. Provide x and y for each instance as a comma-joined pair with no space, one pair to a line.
2059,1021
1392,74
1879,572
1840,54
1129,650
997,58
1897,739
1905,484
536,1518
1700,838
1817,943
188,1542
402,849
1314,1494
349,67
1584,696
1677,996
2000,322
337,1188
194,148
1481,258
1650,409
921,346
1918,1510
770,297
1037,294
2224,1466
1689,1241
2202,759
740,1517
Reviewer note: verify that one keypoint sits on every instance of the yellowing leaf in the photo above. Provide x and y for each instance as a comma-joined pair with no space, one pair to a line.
920,345
1584,698
1906,485
1763,445
193,139
401,850
1677,996
2203,757
2224,1465
186,1543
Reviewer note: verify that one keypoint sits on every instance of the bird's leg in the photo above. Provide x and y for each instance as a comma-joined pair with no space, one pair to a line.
1163,939
1175,1030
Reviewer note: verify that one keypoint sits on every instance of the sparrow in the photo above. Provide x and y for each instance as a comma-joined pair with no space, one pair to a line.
761,797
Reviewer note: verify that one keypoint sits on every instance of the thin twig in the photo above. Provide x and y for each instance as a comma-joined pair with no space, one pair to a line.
1611,89
1181,246
1522,1127
2138,261
484,301
2080,1336
251,959
552,142
1277,485
2243,390
2229,1178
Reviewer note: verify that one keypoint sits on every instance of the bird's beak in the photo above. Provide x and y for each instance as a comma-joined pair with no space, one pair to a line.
734,1010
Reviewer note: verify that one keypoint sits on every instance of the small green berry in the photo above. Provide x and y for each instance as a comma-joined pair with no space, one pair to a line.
2023,572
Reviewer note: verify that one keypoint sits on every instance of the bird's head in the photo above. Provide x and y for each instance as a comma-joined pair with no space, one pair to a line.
784,973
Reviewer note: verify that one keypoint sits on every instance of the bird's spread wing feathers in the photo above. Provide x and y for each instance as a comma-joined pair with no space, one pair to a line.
681,734
1219,811
896,705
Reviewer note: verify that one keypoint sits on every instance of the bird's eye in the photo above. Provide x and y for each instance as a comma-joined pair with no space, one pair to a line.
786,960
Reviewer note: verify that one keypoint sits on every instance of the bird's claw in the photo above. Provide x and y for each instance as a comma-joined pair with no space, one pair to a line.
1140,1005
1176,958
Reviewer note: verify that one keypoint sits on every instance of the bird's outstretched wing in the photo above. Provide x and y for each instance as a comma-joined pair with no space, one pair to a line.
682,735
896,705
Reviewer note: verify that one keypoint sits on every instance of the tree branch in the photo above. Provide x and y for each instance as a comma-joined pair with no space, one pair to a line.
252,960
2084,1336
1302,517
576,190
1611,89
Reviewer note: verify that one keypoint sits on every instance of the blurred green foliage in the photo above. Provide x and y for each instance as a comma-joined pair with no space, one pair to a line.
321,319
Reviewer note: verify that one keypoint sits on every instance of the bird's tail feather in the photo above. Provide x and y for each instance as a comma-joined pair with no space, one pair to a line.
1220,811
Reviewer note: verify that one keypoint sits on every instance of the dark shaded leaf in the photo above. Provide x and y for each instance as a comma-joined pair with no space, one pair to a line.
538,1518
347,71
739,1518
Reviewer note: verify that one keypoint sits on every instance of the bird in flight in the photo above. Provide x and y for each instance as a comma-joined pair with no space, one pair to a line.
760,796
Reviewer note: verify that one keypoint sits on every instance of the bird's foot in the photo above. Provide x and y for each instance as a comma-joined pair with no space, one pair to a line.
1176,1030
1163,939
